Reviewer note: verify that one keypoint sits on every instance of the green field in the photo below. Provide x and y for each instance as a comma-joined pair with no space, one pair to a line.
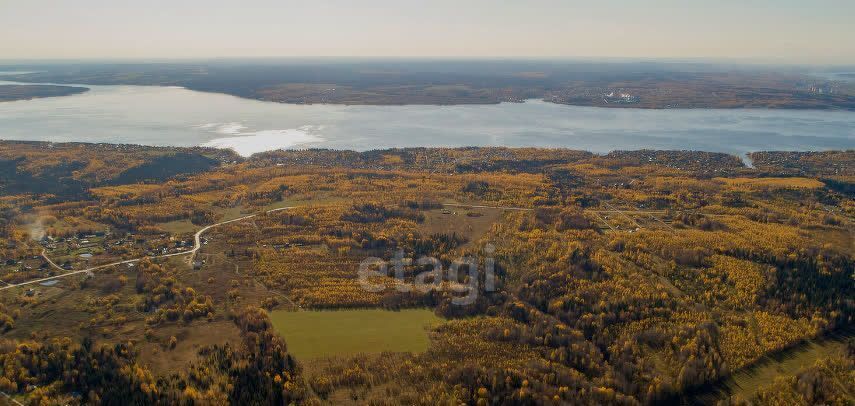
316,334
179,227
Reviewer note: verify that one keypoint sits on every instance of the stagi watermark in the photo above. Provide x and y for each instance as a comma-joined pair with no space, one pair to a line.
373,269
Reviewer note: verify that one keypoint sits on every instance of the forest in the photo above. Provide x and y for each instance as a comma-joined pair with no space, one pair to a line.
358,81
634,277
26,92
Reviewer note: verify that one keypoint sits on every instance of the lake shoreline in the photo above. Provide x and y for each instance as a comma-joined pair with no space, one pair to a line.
23,92
176,116
607,106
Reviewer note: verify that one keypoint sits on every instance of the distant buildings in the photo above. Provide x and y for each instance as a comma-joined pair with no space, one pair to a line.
823,88
619,97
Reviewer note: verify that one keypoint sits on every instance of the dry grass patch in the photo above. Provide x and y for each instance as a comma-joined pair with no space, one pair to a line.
771,183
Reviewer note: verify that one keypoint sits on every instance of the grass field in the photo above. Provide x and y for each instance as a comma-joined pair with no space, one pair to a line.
179,227
317,334
469,223
772,183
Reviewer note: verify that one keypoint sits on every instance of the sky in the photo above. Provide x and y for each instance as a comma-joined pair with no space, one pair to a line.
785,31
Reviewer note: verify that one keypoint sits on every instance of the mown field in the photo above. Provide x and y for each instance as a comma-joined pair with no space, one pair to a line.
315,334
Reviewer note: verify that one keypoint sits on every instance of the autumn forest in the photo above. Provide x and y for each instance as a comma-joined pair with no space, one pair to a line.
148,275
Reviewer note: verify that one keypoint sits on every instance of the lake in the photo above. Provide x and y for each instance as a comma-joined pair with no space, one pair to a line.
173,116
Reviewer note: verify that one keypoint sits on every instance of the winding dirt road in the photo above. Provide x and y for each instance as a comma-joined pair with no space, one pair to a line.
197,244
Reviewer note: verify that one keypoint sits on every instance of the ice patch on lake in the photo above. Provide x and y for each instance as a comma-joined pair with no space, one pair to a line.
223,128
247,143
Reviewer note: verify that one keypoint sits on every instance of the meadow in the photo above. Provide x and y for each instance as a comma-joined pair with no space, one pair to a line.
315,334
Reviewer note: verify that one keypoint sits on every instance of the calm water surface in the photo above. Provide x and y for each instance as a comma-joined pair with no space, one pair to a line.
179,117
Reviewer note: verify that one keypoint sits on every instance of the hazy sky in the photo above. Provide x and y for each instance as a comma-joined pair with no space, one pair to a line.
803,31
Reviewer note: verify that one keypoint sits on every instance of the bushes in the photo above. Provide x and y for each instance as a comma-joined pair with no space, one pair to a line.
571,219
166,298
828,382
477,188
377,213
260,371
7,318
201,217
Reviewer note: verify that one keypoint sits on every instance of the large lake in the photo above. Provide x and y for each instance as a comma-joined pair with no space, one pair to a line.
180,117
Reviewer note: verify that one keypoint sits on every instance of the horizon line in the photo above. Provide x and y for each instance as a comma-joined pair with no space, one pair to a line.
609,59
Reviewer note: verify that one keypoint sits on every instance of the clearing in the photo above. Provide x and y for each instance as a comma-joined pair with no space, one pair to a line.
772,183
747,381
318,334
471,223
